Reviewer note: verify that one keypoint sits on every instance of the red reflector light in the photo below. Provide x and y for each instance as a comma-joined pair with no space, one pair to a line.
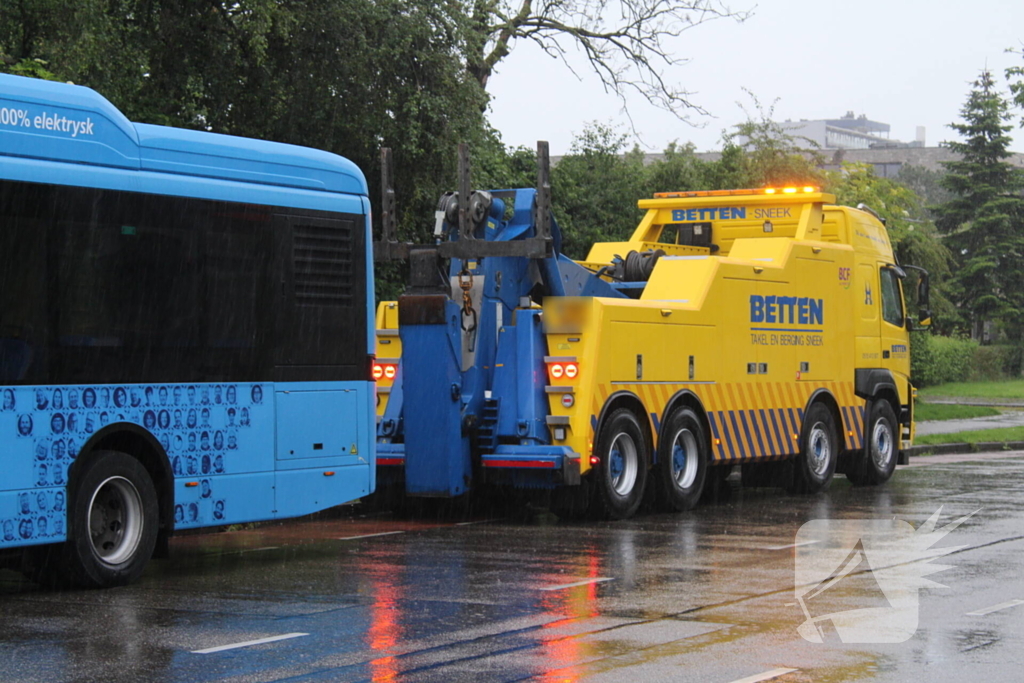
384,371
531,464
568,369
594,460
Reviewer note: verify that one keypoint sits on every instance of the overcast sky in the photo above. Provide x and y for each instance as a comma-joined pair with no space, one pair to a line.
907,63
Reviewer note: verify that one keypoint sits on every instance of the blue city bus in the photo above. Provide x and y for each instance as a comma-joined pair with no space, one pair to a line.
186,333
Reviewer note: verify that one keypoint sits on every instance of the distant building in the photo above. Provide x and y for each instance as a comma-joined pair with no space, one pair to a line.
886,162
847,132
855,139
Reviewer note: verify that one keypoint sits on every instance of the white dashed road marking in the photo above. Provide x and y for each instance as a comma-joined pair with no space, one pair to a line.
791,545
383,533
765,676
995,608
597,579
247,643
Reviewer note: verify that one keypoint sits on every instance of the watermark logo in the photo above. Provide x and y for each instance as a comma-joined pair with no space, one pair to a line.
859,578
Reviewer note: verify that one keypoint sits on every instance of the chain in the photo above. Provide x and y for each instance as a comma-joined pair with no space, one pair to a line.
467,301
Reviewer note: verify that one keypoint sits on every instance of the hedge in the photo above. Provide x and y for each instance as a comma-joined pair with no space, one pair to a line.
938,360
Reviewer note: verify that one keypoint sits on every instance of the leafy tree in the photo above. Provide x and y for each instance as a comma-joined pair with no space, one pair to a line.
30,68
679,169
495,166
771,155
984,222
926,184
596,188
1015,74
625,42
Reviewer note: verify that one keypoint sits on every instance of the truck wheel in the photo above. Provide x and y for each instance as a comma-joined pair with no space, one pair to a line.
819,451
682,462
621,474
876,463
112,523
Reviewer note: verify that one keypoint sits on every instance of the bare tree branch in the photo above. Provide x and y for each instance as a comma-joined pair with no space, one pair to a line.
625,42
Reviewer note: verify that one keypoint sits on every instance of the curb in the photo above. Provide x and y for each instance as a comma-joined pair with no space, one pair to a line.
983,402
954,448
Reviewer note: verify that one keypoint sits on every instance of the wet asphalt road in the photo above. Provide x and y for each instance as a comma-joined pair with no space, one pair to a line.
703,596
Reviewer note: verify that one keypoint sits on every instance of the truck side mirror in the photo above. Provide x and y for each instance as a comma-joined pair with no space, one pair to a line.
923,300
923,296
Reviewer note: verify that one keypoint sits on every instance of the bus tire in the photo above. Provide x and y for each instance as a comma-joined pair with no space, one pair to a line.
819,451
682,467
112,522
621,473
875,464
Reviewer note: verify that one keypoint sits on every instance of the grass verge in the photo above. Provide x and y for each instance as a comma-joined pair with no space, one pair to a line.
1008,389
945,411
996,435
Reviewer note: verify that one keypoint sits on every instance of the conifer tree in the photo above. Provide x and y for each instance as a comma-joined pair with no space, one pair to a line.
984,222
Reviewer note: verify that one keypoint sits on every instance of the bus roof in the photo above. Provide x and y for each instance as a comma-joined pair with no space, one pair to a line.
73,124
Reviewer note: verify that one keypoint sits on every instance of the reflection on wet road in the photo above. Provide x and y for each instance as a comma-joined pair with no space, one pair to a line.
704,596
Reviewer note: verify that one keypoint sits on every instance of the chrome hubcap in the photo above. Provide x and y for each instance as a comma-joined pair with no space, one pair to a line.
684,458
881,438
115,520
819,448
623,464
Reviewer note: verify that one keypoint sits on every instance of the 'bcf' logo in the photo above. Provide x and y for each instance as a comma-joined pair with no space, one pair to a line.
861,577
845,277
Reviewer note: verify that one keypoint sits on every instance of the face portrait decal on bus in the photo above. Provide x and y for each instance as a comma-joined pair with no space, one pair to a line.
201,427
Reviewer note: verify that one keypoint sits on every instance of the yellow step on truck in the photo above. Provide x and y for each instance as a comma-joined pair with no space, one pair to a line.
766,328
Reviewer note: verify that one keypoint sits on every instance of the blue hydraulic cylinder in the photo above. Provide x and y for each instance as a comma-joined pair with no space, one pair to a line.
437,458
520,379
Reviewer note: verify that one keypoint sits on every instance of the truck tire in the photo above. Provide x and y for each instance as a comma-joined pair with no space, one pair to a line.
682,467
876,463
112,522
819,451
621,474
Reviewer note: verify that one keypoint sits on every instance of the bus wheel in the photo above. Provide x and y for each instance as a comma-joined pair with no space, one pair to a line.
621,474
819,451
876,463
682,462
112,522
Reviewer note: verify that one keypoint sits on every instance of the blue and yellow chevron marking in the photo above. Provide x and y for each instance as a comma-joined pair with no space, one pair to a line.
751,420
